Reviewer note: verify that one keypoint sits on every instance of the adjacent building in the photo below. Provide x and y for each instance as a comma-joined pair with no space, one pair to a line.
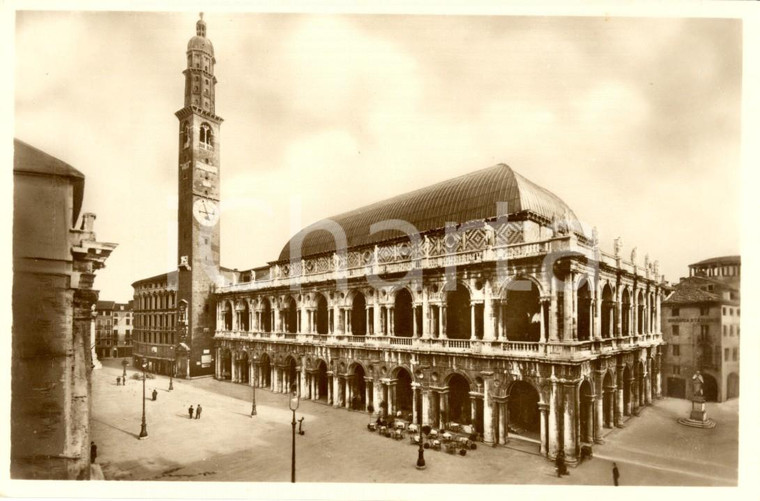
480,303
113,329
54,265
701,325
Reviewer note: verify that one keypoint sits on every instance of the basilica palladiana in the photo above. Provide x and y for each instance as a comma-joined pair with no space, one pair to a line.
481,303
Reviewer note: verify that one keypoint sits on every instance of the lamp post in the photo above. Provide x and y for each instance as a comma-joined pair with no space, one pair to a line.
144,427
253,386
124,364
171,369
293,404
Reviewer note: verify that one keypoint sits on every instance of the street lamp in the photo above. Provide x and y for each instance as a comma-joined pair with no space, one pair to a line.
171,369
293,404
144,427
124,364
253,391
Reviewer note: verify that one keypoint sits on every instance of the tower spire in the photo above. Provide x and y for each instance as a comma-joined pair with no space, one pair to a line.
200,26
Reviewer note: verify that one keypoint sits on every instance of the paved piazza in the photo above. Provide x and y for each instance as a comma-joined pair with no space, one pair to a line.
226,444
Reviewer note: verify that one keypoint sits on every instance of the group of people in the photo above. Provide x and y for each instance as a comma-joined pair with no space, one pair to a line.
197,411
121,381
561,468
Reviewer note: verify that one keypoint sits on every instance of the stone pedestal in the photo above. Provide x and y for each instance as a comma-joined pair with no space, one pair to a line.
698,416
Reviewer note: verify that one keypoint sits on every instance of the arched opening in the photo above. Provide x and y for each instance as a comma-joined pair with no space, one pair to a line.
523,410
523,319
206,137
291,316
458,313
710,388
627,391
608,402
322,381
626,313
266,371
459,410
227,316
402,314
321,315
584,312
404,391
607,305
226,364
293,382
586,412
640,309
732,386
243,368
266,316
245,315
358,389
359,315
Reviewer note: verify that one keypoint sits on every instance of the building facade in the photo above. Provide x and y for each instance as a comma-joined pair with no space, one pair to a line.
155,318
113,329
54,265
480,302
701,325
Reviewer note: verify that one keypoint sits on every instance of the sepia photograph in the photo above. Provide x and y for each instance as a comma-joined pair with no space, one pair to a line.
335,247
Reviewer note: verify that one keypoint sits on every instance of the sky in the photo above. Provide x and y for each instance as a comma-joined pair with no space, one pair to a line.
634,122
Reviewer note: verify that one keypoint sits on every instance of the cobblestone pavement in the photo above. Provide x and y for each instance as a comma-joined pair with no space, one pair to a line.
226,444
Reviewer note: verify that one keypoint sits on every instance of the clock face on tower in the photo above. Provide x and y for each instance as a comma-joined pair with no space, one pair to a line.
206,212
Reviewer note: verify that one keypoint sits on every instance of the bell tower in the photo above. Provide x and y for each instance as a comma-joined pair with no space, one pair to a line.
198,209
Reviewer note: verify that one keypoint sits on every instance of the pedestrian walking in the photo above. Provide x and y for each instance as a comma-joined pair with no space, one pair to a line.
190,411
118,380
155,394
198,410
615,474
93,452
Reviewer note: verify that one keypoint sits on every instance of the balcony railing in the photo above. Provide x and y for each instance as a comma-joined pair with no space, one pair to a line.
549,350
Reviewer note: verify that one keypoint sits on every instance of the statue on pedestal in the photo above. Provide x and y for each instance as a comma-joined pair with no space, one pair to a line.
697,382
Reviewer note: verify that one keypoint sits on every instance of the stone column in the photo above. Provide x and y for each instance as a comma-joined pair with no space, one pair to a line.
553,329
367,392
501,423
570,442
347,392
648,389
633,397
599,414
377,394
472,320
304,387
414,320
441,332
441,409
488,423
619,404
426,407
590,412
443,322
543,409
391,320
336,391
489,316
569,332
544,304
554,422
425,314
414,402
392,407
658,376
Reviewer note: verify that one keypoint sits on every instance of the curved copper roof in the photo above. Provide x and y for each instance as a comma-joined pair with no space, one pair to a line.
473,196
202,44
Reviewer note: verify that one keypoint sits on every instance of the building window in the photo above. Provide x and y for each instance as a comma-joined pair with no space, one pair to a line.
704,311
725,354
735,354
676,369
676,312
704,332
207,137
676,350
676,330
725,330
731,330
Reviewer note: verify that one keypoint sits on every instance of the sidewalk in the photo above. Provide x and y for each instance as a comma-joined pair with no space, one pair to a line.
226,444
